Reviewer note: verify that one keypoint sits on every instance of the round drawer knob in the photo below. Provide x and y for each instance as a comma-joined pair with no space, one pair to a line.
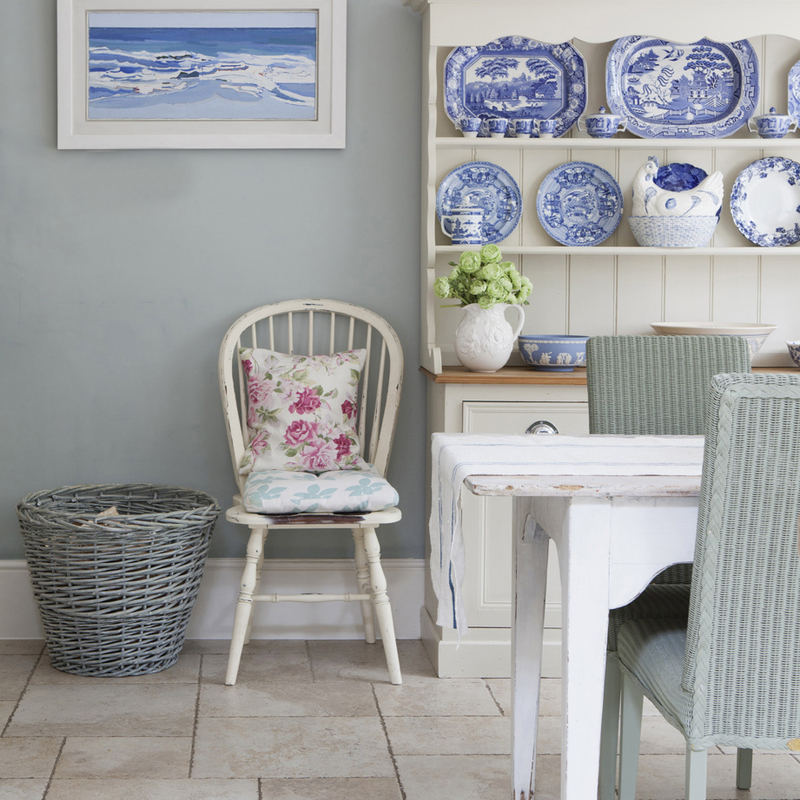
542,426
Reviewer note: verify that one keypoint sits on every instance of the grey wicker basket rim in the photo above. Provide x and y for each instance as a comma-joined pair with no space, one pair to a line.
64,503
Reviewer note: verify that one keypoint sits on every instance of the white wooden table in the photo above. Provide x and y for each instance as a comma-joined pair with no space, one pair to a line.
613,533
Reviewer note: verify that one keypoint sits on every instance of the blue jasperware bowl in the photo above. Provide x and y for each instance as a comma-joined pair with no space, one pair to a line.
553,353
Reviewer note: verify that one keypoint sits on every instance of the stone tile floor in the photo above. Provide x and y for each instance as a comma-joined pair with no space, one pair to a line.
310,720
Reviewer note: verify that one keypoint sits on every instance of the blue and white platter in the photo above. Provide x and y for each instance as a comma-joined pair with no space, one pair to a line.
682,91
481,184
579,204
794,92
765,202
516,78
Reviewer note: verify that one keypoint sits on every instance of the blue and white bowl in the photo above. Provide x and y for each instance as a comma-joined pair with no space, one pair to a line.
794,352
553,353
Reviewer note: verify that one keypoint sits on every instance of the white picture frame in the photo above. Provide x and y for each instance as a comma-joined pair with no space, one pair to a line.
205,100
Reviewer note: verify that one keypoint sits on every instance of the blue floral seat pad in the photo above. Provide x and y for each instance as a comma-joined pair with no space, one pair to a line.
339,491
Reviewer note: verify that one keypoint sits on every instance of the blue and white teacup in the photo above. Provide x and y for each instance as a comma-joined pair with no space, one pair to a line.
545,128
602,125
523,128
772,125
497,127
469,126
464,225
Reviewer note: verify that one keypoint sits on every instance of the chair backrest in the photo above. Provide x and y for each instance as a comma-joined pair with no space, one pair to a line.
656,385
742,661
318,327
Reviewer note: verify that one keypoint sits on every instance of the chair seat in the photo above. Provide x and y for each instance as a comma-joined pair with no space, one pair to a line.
339,491
657,601
652,651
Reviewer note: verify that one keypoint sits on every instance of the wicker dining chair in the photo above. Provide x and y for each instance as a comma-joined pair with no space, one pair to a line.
652,385
731,674
306,333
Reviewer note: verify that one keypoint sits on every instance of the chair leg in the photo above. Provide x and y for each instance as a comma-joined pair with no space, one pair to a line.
609,732
251,616
362,577
696,773
630,737
383,609
744,768
244,607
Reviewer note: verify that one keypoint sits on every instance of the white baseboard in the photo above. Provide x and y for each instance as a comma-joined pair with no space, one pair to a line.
212,617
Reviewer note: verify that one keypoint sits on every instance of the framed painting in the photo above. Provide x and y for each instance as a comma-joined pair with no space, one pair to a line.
201,73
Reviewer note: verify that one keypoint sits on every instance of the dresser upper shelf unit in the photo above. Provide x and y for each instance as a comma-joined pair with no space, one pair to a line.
616,142
456,23
635,250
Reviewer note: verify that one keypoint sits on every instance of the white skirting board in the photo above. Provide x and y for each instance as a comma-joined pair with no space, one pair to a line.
212,617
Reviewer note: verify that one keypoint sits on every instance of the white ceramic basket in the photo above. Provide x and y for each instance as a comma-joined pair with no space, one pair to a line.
673,231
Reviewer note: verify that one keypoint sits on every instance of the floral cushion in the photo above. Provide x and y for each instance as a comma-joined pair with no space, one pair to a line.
301,411
280,492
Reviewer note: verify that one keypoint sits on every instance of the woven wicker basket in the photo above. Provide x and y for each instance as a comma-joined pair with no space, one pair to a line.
115,591
673,231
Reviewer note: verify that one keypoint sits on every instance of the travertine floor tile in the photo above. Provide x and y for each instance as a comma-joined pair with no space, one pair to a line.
259,667
16,647
264,699
282,747
132,789
549,695
185,670
330,789
659,737
15,671
125,757
449,735
6,709
28,758
357,660
222,646
775,777
444,698
22,788
105,710
462,777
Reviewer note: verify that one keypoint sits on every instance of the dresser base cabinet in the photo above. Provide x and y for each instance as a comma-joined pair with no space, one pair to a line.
469,408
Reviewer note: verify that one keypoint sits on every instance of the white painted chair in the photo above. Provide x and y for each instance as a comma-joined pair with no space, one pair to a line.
317,327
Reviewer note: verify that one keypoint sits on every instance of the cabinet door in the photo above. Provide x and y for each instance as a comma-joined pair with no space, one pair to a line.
486,521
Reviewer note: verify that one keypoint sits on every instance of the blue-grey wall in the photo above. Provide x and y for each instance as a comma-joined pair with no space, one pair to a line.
122,270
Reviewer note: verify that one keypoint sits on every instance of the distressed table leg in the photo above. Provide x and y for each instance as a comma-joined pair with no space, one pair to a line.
583,552
530,578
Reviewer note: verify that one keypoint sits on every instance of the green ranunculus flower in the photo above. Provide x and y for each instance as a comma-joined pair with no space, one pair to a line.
490,272
516,280
507,266
441,288
496,290
470,262
478,287
490,254
505,283
484,301
454,275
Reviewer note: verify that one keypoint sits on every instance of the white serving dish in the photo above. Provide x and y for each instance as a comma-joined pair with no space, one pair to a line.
755,333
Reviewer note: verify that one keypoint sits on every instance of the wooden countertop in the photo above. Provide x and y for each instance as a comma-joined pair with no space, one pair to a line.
526,376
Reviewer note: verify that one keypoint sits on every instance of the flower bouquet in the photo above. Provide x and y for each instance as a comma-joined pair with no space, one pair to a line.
485,279
486,286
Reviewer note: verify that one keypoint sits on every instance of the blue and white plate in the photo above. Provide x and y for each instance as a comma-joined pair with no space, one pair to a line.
481,184
765,202
794,92
682,91
516,78
579,204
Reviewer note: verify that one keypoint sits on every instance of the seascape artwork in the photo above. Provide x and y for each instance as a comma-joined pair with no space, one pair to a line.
197,65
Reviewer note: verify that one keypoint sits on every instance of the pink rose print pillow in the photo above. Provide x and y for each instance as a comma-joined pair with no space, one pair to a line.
301,411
